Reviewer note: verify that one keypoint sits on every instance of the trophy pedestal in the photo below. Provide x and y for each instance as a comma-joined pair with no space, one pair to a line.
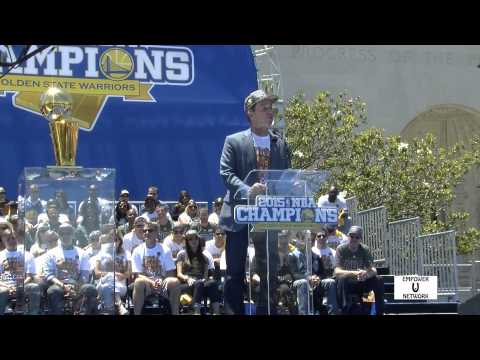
70,168
73,180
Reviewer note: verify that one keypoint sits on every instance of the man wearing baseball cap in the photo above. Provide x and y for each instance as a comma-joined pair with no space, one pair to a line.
255,148
355,274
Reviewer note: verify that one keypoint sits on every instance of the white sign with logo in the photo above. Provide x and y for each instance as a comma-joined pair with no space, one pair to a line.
415,287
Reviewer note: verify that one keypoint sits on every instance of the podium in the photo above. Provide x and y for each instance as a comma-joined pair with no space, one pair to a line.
280,221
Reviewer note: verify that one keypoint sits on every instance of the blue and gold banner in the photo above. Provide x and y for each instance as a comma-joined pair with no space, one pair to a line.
158,114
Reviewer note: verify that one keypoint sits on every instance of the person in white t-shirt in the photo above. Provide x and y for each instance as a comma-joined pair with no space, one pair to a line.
217,207
149,206
17,272
326,253
51,241
215,247
93,247
175,241
328,258
332,199
155,271
67,269
191,213
136,236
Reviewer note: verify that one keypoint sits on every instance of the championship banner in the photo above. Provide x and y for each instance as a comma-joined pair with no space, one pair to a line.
157,114
285,213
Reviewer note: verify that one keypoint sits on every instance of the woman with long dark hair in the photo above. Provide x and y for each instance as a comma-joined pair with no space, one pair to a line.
192,270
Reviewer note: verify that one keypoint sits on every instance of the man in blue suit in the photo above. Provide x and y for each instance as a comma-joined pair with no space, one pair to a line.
255,148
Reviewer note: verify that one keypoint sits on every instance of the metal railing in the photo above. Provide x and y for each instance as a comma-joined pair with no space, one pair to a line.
374,224
402,246
438,257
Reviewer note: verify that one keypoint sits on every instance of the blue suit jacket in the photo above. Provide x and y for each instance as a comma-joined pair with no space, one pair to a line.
238,159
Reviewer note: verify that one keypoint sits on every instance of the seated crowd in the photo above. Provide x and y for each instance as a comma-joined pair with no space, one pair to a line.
168,259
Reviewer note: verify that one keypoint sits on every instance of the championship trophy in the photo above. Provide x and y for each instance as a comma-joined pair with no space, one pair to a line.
66,193
56,107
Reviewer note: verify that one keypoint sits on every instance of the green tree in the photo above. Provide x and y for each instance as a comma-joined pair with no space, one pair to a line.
414,179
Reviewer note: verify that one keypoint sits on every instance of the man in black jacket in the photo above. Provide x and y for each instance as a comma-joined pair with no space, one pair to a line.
255,148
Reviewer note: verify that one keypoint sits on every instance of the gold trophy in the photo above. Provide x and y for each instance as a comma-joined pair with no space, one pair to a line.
56,106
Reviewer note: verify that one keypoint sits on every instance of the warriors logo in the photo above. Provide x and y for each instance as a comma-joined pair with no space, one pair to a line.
116,64
308,215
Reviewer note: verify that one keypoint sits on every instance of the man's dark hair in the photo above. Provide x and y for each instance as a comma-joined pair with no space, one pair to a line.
246,113
184,197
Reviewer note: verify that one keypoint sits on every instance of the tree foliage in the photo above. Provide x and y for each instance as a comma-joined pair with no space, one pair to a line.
414,179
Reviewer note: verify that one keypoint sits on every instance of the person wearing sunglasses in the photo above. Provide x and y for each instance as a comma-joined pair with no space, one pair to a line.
355,273
215,248
325,255
217,245
154,272
217,207
175,241
67,270
191,213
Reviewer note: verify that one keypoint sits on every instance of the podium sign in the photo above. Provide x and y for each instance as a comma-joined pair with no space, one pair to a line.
280,221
